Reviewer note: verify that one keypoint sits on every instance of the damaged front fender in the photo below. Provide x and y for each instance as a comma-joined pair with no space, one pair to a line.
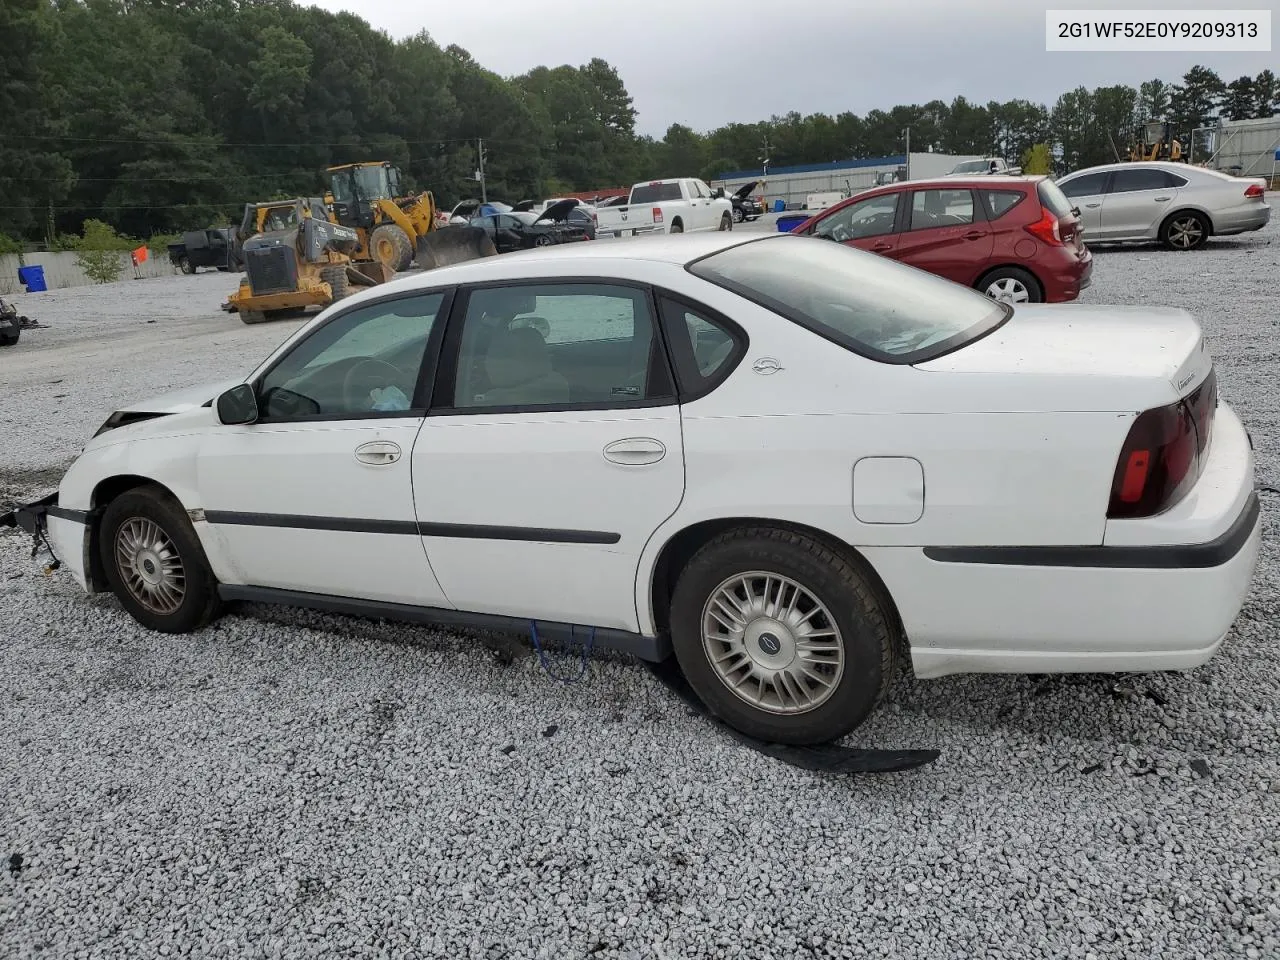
30,517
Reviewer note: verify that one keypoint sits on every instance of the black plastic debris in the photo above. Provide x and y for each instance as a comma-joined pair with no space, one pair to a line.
509,749
550,731
1200,767
15,863
1092,768
827,758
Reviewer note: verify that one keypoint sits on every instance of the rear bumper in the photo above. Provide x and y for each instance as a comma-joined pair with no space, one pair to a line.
1074,275
1242,219
1157,594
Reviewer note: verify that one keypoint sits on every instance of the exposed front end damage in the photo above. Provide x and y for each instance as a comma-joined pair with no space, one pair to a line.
60,531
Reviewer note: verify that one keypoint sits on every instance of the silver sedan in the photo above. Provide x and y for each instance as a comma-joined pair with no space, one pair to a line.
1175,203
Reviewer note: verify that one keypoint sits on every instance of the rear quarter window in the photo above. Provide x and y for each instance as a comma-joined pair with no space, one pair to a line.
1000,202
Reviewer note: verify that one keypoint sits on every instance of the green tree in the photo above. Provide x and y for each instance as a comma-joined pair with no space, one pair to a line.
99,252
1241,99
1266,95
1037,160
1194,103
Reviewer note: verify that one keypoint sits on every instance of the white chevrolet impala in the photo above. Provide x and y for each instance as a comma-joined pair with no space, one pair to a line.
787,462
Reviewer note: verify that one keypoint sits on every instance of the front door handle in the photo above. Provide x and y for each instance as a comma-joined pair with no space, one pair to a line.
378,452
635,451
882,246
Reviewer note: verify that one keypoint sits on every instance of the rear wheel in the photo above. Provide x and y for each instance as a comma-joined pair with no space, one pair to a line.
544,240
726,222
782,637
154,562
336,278
185,266
1011,285
1184,231
391,245
677,227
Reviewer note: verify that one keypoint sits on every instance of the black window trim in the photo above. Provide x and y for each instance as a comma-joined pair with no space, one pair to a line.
441,399
1167,185
683,362
1107,177
979,211
936,351
426,370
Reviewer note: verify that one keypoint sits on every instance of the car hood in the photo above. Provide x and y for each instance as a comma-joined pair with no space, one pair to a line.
176,401
1118,358
558,211
741,192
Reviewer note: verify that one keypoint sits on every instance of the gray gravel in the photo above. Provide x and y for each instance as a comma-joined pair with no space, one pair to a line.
294,784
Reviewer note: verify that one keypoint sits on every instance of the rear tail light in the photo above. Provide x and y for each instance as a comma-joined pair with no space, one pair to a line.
1163,454
657,214
1047,229
1254,192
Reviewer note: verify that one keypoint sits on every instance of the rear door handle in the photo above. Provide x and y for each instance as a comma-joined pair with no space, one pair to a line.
1091,205
882,246
974,235
378,452
635,451
1163,199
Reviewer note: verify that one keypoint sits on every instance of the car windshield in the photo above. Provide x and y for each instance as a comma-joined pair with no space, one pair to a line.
871,305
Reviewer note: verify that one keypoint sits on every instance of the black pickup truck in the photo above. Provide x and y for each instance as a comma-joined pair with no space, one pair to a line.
216,247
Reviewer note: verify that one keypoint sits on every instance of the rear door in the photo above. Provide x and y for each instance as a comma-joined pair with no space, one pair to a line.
870,224
1138,200
1087,192
946,234
552,453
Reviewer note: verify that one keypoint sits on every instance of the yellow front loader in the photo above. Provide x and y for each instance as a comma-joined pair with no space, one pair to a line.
1154,141
363,196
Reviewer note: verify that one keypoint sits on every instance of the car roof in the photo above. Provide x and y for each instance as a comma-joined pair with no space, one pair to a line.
978,180
678,250
1172,165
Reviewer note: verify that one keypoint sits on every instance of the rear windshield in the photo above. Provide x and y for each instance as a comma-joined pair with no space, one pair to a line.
1053,199
655,192
869,304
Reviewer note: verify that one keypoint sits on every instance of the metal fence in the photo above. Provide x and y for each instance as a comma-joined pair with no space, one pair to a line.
793,188
1245,148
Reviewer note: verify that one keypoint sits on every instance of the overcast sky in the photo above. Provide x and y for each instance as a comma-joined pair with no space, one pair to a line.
705,63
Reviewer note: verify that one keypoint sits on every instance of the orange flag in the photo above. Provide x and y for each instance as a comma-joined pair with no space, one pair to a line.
139,255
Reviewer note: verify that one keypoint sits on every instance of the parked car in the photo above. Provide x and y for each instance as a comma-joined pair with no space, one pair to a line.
680,205
466,210
1013,238
579,213
519,230
788,461
1175,203
992,166
217,247
746,207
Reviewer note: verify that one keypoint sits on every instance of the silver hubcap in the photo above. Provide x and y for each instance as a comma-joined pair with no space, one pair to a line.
150,566
772,642
1009,290
544,241
1185,233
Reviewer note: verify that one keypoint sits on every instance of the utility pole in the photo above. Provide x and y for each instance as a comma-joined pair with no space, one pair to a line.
764,156
484,196
908,153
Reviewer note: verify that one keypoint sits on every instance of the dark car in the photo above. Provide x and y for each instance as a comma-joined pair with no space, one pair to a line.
215,247
1014,238
519,230
745,206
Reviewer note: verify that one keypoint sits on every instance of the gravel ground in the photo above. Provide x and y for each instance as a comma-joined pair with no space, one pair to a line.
292,784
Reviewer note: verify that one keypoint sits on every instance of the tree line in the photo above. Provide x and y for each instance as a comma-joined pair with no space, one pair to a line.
163,115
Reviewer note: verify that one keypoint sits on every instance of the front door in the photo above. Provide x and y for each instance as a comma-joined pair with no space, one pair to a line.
870,224
316,496
946,235
552,454
1138,200
1087,192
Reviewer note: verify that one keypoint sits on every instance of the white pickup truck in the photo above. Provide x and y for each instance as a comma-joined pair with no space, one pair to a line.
682,205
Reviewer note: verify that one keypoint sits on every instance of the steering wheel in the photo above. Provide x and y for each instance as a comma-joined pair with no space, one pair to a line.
362,377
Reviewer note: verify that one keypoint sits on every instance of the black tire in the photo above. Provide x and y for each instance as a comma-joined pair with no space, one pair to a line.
1015,276
1184,230
726,222
738,215
389,236
199,601
677,227
185,266
253,316
866,630
336,278
9,334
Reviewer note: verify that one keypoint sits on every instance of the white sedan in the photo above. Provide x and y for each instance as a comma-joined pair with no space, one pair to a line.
788,462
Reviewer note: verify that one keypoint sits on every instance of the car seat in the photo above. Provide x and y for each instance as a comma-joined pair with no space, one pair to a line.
518,367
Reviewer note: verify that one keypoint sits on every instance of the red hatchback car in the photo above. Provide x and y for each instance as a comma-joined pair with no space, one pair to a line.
1014,238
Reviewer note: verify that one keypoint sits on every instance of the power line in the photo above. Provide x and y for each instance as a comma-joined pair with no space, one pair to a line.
213,142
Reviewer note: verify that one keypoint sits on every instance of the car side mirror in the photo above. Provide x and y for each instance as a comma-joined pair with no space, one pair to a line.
1075,211
238,405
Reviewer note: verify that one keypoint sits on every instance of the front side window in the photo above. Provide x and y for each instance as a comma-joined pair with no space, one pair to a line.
557,344
367,361
1088,185
941,208
869,304
873,217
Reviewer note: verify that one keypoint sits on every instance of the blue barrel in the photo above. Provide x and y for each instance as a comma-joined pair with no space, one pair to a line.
32,278
787,224
779,206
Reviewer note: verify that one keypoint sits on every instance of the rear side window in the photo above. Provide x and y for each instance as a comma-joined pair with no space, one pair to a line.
1054,200
941,208
1144,178
1000,202
656,192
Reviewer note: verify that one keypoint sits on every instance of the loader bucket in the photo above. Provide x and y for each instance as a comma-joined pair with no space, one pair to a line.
369,273
455,244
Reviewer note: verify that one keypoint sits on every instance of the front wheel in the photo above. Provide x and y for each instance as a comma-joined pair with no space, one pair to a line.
781,637
738,215
154,562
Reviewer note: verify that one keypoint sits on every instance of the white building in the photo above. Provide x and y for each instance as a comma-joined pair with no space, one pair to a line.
793,184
